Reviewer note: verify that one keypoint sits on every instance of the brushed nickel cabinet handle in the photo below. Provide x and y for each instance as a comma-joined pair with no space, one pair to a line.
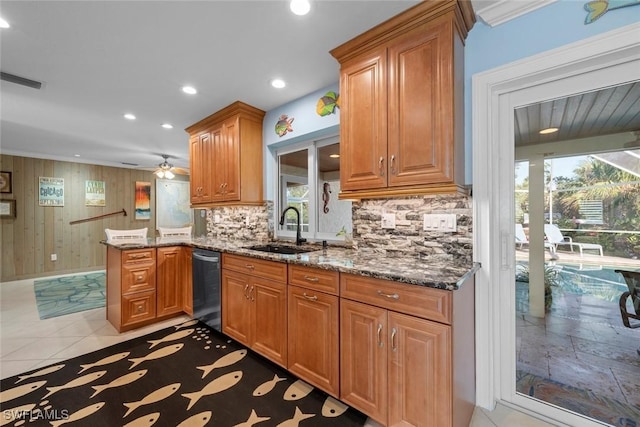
310,298
390,296
380,343
252,294
393,164
393,339
311,279
381,166
250,266
246,294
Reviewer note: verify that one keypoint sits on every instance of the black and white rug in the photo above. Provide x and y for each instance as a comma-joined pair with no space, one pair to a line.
186,375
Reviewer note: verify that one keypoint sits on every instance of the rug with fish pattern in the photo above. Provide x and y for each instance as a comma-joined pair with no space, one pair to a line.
70,294
185,375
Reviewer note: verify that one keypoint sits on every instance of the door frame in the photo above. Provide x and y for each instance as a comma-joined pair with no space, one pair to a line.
604,60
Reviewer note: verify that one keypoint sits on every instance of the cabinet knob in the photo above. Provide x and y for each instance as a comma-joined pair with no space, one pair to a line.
139,278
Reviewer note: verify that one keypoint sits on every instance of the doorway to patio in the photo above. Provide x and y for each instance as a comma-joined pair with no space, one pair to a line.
576,352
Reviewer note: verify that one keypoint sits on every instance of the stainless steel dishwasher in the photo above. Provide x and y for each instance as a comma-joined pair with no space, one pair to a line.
206,288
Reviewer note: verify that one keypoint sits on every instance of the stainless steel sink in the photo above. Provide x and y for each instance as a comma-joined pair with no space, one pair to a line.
280,249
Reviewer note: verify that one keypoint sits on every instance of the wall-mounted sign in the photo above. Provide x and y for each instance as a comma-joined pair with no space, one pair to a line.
51,191
94,193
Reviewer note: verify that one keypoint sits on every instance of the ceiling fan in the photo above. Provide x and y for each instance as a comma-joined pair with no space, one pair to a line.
167,170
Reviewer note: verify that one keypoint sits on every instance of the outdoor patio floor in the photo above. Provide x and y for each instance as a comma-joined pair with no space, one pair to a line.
581,341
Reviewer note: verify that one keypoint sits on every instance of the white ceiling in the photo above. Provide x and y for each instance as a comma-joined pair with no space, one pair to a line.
100,59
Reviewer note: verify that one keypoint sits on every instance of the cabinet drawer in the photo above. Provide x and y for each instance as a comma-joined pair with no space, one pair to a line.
314,278
136,256
138,307
138,277
428,303
255,267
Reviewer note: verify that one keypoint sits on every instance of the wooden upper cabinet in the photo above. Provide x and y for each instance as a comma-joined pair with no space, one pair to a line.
402,95
226,157
200,149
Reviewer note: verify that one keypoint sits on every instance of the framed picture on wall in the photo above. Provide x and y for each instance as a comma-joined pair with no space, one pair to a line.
5,182
143,200
7,208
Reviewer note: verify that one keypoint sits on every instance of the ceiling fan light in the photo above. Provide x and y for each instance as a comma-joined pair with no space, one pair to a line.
159,173
169,175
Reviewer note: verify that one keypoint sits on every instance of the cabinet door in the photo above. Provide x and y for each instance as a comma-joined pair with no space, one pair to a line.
363,116
200,155
420,133
236,314
170,280
313,338
419,372
218,160
269,318
232,160
363,358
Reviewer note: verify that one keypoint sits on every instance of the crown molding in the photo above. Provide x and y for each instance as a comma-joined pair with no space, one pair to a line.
496,12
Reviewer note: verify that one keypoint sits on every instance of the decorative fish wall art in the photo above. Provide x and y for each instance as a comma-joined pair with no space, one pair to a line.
327,104
598,8
284,125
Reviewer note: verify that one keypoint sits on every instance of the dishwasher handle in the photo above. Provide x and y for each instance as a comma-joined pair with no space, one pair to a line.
205,257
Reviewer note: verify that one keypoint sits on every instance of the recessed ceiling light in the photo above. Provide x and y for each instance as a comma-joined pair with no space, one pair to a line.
129,116
4,23
548,130
167,126
189,89
278,83
334,156
76,155
300,7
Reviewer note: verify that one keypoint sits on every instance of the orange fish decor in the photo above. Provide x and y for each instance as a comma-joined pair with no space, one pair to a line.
284,125
327,104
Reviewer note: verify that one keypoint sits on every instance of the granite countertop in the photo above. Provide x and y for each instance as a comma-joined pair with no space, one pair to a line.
421,272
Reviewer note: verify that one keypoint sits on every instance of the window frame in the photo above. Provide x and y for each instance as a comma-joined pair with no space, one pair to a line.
312,146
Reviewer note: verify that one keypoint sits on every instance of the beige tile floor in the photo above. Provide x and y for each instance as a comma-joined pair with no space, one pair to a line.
26,343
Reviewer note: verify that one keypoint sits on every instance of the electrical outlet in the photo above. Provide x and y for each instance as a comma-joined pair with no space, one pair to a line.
54,257
389,221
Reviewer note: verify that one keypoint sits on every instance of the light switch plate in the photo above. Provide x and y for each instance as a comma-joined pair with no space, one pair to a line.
389,221
445,223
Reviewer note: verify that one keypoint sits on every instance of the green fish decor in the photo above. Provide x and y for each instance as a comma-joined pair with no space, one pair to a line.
327,104
284,125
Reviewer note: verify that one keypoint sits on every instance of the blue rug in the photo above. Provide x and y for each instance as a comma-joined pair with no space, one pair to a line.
70,294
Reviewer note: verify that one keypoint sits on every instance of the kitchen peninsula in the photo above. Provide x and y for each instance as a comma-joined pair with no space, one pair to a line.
392,337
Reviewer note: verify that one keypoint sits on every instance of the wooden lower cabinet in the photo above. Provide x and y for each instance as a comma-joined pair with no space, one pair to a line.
147,285
314,338
255,311
395,368
171,280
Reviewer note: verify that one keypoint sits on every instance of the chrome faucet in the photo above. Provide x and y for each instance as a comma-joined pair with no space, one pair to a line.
299,239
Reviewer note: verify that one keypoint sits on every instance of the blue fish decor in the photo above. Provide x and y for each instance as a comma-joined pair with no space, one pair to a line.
597,8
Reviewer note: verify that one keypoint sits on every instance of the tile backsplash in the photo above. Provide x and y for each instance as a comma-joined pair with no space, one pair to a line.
407,239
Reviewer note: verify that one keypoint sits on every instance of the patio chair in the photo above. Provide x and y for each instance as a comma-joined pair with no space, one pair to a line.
521,239
556,238
633,294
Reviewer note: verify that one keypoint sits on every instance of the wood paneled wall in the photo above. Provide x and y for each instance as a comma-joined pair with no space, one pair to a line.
29,239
